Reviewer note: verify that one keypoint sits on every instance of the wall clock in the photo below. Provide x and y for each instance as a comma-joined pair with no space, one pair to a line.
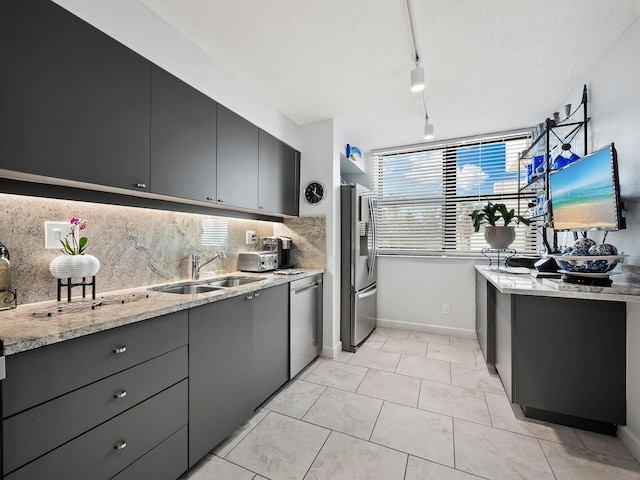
314,192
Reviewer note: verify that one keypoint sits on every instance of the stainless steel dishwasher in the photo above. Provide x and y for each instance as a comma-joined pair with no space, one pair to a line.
305,324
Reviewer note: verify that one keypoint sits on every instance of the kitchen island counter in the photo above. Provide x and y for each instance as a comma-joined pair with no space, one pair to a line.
525,284
559,348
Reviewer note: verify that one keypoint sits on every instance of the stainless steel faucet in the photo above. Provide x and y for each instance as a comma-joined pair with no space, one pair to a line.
196,265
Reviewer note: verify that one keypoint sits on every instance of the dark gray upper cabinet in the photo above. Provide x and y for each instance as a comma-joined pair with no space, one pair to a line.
237,160
74,102
77,105
183,139
279,166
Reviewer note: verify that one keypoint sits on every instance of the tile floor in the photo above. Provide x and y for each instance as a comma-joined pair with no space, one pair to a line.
407,406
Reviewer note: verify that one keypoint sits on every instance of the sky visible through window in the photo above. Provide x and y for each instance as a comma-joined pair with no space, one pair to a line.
479,170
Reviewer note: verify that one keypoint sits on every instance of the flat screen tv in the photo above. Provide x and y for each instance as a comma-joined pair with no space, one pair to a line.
585,195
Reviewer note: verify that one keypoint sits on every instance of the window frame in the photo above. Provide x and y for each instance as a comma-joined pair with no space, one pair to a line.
449,199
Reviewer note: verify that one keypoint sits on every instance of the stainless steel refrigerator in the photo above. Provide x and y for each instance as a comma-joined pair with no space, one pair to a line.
358,283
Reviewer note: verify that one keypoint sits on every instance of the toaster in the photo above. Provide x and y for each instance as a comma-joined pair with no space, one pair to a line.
257,261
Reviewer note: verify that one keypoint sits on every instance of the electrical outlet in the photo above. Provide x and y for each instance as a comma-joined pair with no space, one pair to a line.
251,237
445,308
54,232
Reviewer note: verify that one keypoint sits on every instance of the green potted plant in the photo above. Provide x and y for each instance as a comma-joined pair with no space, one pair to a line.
497,236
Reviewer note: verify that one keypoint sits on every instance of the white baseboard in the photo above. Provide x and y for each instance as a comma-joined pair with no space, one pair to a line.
425,328
331,352
630,440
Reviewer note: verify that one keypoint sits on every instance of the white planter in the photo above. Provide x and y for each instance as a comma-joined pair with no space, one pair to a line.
499,237
74,266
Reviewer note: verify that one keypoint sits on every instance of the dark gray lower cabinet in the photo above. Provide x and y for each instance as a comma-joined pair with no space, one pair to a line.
165,462
238,356
569,357
270,342
485,319
220,372
106,450
68,416
563,359
92,406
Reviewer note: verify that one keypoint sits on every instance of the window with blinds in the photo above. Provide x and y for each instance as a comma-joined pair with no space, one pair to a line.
425,195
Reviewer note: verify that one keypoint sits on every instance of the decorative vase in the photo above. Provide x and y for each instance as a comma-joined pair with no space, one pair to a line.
74,266
499,237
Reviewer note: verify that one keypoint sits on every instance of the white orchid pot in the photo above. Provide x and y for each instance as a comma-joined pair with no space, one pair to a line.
499,237
74,266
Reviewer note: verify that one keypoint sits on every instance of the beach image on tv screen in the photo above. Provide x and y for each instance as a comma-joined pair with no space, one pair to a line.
583,194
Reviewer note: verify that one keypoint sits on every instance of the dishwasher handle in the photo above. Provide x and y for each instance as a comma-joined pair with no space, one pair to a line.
303,288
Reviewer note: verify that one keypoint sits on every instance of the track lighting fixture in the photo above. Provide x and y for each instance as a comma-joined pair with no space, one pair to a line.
417,74
428,131
417,79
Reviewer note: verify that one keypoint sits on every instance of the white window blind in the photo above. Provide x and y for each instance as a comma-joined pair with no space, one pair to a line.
215,232
425,195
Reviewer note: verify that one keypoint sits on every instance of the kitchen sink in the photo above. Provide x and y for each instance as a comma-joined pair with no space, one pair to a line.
233,281
221,283
188,289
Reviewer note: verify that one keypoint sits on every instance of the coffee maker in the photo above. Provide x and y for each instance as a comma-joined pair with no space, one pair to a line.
281,246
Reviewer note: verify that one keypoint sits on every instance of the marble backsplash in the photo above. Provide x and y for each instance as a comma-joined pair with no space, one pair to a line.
137,246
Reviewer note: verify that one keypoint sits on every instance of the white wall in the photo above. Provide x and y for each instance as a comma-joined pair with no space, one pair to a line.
319,165
412,290
614,107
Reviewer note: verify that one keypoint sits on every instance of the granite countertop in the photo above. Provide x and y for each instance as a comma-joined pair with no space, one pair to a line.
525,284
29,326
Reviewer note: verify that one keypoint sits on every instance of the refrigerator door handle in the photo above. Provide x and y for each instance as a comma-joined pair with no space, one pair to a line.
368,293
372,220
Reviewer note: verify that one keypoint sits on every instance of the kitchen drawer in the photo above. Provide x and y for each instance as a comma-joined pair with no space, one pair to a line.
165,462
39,430
41,374
95,455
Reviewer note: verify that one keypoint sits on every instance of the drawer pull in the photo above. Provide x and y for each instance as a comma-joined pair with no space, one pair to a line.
141,185
119,350
120,445
249,297
256,294
121,394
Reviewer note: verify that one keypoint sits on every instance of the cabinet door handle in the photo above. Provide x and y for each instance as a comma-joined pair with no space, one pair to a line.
120,445
220,200
119,350
249,297
141,185
256,294
120,394
209,198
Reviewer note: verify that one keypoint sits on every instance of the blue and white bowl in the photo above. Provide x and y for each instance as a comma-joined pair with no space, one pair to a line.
587,263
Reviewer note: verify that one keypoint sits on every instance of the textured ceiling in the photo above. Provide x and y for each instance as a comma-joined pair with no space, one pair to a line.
490,65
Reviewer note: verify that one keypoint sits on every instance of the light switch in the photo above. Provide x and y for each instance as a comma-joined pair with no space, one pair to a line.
54,232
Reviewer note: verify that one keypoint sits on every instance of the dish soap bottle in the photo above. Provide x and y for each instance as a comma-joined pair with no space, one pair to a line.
7,297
